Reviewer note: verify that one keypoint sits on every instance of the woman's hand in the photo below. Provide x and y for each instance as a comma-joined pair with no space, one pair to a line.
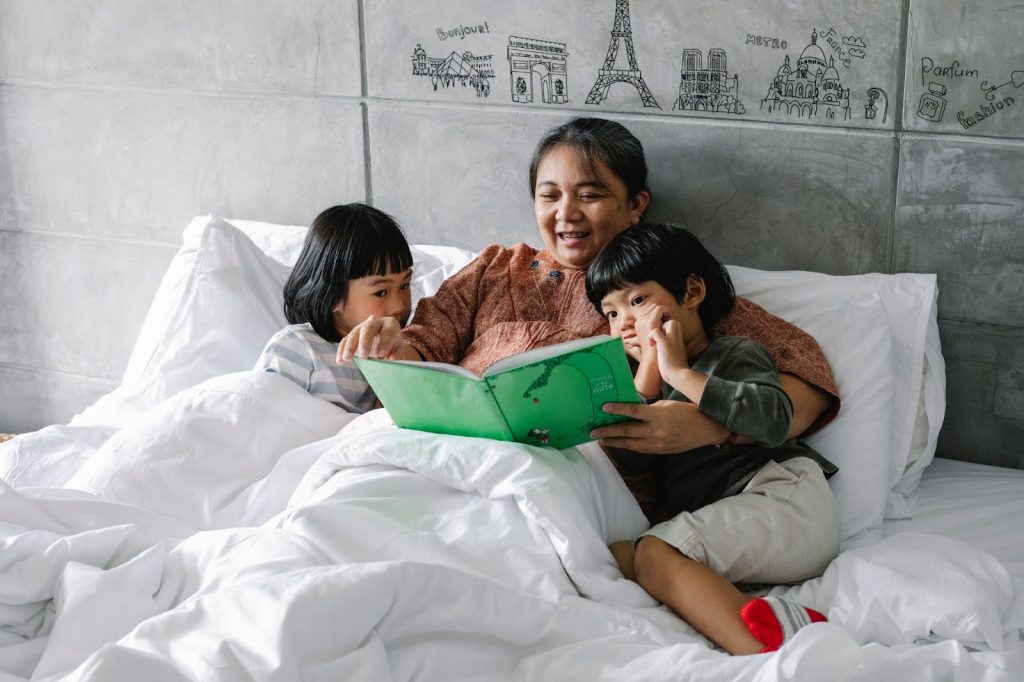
664,427
376,337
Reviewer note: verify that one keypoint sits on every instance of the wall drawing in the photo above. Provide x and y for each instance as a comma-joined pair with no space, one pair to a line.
622,34
876,99
932,104
537,68
810,89
463,69
1016,80
846,48
707,89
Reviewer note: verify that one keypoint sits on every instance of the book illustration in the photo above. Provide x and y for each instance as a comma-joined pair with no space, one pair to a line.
548,396
539,435
587,370
609,74
462,69
811,88
707,89
537,68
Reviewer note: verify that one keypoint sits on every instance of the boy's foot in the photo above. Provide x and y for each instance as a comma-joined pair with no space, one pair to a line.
773,621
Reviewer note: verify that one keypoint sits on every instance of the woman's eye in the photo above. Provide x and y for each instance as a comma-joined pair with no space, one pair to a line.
590,197
638,300
549,196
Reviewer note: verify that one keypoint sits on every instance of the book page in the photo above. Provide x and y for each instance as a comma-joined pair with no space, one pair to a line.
437,367
538,354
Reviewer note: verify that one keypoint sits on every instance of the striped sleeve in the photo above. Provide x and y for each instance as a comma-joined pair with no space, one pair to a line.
288,354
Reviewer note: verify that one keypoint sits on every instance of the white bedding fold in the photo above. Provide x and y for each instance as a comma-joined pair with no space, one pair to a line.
235,533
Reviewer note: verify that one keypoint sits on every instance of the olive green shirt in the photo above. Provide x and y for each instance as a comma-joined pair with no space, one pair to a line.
743,393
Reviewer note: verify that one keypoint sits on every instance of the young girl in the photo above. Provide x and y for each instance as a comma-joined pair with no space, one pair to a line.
755,508
354,263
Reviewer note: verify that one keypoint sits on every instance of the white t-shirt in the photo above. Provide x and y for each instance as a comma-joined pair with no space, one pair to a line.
302,355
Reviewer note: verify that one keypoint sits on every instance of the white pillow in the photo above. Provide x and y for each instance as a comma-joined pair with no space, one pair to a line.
218,304
869,326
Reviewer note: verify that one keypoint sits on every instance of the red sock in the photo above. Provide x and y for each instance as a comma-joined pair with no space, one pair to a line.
773,621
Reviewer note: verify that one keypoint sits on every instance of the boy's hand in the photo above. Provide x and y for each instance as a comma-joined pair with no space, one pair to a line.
648,375
670,348
673,363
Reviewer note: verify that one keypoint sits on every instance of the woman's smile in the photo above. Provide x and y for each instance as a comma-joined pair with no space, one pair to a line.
580,208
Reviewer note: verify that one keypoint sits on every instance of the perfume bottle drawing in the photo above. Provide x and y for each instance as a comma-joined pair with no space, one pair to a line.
933,103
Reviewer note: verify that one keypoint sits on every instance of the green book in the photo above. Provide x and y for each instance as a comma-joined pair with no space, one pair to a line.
548,396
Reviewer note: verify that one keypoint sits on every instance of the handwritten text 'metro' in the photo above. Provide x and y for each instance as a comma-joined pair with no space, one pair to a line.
462,31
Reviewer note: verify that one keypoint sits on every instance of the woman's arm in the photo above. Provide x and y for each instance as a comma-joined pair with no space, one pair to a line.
669,426
441,329
809,403
803,368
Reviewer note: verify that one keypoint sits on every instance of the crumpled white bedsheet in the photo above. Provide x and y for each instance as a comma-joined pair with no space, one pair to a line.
246,531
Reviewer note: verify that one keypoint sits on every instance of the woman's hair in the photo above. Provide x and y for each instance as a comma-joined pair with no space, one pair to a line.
344,242
598,139
668,255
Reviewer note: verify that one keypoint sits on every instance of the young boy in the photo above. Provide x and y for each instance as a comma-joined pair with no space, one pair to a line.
753,509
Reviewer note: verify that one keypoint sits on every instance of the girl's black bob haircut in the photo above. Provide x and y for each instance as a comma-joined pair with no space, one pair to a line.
668,255
597,139
344,242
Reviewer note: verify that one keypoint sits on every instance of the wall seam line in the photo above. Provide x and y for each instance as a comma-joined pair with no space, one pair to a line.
364,103
899,129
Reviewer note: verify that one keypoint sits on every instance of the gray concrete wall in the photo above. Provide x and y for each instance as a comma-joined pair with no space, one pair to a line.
120,121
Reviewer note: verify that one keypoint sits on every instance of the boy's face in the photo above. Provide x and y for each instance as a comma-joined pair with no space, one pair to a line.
636,309
379,295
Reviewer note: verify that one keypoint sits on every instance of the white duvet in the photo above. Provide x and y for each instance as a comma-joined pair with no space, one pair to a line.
243,530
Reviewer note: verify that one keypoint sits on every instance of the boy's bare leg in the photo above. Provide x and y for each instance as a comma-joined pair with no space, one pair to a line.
704,599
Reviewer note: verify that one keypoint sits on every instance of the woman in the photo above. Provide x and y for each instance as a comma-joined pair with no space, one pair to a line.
588,178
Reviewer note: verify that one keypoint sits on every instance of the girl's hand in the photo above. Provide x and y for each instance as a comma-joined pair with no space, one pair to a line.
374,337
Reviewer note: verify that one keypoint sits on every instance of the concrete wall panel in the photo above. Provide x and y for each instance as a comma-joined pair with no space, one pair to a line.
771,198
960,212
45,398
74,305
965,68
137,165
539,54
985,392
299,47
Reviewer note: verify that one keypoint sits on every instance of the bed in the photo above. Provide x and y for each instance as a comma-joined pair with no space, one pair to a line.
207,522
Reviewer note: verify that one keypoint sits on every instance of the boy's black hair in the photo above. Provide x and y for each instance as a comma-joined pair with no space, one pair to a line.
596,139
344,242
668,255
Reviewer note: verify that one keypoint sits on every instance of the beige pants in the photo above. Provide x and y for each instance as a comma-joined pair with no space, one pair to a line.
782,528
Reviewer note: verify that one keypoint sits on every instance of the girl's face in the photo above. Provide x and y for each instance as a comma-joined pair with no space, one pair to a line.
380,295
624,307
579,210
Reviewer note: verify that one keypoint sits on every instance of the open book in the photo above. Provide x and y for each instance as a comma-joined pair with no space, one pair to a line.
547,396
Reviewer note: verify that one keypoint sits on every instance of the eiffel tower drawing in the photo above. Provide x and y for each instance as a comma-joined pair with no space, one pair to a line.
622,32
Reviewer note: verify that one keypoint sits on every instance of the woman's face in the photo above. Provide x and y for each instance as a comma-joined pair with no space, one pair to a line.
579,210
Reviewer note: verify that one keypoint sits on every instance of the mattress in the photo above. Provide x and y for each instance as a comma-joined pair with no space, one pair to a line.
977,504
